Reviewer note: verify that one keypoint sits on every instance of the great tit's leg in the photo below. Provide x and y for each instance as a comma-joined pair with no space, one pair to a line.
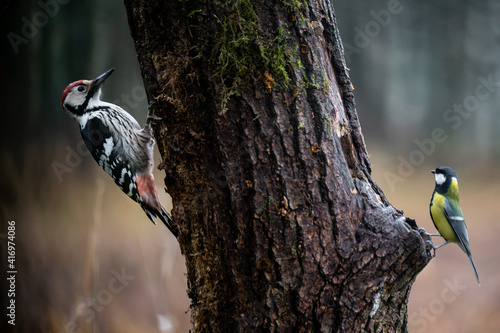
426,237
423,231
429,243
437,247
434,247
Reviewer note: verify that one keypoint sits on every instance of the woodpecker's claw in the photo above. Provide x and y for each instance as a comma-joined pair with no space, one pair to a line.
153,102
152,117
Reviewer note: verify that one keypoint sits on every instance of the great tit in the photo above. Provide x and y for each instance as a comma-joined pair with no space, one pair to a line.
447,214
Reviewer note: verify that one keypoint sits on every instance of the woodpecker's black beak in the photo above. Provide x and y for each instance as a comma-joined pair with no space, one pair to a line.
433,171
98,81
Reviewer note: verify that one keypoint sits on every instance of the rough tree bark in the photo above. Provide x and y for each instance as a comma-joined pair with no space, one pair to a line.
282,227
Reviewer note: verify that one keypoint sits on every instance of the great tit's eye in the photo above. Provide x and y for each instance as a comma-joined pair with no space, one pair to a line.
81,88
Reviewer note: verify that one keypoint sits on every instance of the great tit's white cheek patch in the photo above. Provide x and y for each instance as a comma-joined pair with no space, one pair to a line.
440,178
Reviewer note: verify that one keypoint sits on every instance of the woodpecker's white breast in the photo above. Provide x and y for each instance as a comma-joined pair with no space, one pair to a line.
82,120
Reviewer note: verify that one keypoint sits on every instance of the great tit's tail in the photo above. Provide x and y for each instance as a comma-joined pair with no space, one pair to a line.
475,270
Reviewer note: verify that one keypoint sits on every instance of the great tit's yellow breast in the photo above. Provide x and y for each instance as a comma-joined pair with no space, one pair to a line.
453,190
440,220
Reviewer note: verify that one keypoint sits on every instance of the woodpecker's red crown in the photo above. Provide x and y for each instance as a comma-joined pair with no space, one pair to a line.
77,95
68,88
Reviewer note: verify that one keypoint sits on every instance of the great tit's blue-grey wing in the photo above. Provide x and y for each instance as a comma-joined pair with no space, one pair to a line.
455,217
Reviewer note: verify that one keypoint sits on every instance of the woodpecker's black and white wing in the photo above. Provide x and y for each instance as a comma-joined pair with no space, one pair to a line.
105,148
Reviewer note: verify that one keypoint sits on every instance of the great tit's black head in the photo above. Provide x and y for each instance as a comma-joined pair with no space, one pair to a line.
444,177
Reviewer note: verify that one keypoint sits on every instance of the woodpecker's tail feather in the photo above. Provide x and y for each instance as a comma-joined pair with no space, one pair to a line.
162,215
150,202
168,221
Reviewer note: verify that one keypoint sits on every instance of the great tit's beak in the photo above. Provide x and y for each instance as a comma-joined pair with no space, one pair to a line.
98,81
433,171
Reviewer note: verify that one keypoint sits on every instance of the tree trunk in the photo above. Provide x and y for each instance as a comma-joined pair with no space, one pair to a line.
281,224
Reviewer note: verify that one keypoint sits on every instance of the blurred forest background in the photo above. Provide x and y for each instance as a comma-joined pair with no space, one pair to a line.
427,87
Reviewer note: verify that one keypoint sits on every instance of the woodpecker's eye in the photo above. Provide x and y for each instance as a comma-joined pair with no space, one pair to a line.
81,88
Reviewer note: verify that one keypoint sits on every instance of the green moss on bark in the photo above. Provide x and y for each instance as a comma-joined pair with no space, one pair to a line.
244,57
